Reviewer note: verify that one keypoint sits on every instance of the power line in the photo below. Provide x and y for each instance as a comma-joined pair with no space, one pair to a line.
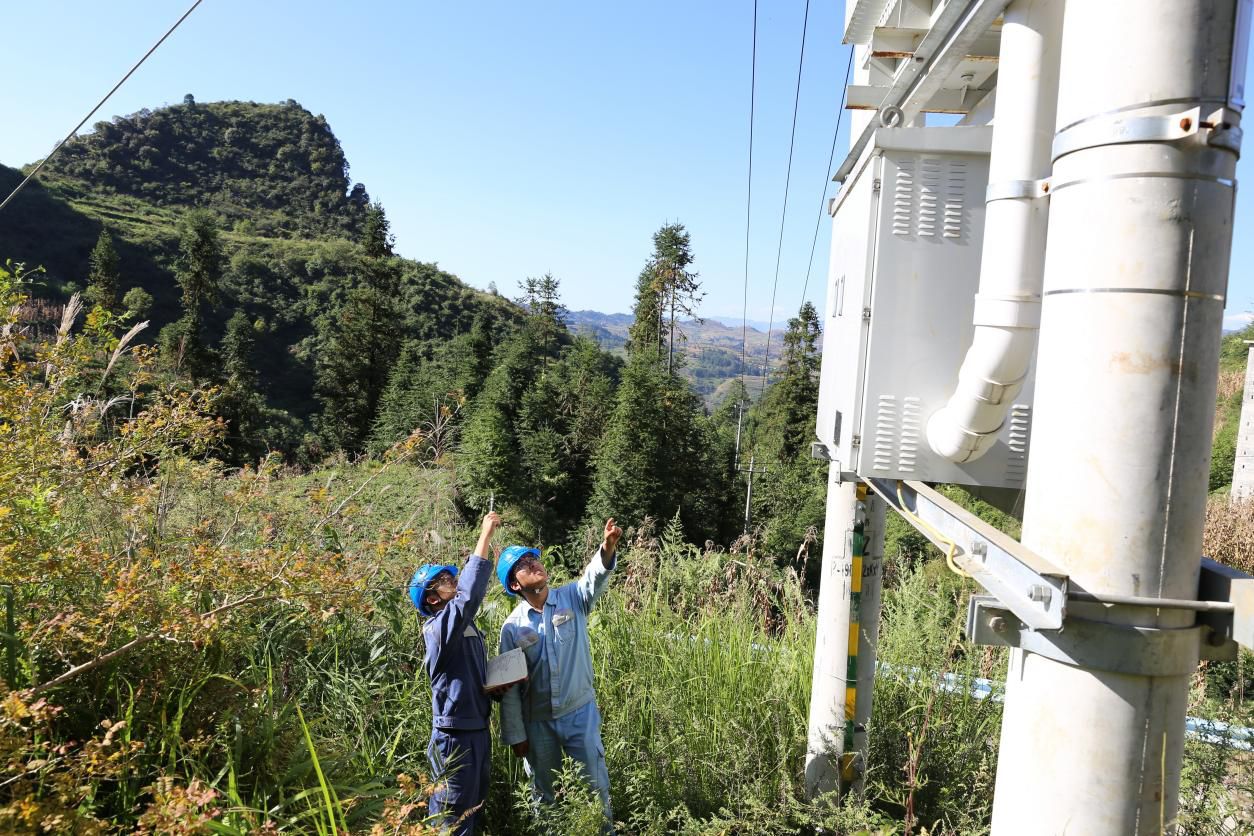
753,77
99,105
744,316
766,365
827,178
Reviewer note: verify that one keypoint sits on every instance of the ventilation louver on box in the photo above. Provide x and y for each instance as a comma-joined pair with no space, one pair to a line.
907,236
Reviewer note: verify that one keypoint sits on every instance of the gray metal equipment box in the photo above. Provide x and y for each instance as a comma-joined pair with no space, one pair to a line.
907,233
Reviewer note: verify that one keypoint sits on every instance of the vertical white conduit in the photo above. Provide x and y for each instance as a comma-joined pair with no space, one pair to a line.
1008,305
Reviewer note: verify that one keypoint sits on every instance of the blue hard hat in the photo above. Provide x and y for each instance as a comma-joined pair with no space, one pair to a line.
505,563
422,578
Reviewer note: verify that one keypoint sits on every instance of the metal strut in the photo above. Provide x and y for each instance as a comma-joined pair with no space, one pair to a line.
1028,597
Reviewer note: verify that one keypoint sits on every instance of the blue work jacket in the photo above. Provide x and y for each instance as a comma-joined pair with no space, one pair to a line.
456,657
559,656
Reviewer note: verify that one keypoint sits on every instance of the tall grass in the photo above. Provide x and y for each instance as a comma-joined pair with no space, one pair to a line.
702,662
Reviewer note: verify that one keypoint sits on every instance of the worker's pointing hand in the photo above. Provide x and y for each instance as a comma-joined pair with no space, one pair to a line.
484,547
612,533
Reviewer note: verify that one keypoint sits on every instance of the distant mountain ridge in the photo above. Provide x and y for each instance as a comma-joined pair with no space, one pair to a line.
711,348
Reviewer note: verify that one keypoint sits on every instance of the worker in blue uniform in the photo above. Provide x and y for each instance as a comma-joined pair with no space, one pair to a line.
456,661
555,710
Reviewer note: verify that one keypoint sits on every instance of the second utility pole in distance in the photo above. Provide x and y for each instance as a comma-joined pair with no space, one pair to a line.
749,488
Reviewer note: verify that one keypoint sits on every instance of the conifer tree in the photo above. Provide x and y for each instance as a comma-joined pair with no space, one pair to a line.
789,500
679,286
633,455
645,335
489,458
102,277
659,454
429,378
665,290
787,411
546,314
401,409
198,269
240,404
237,350
357,343
376,236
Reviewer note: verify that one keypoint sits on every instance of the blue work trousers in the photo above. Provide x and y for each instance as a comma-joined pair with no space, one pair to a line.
460,765
577,734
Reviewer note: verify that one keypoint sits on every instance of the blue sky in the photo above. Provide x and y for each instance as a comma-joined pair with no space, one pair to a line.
507,139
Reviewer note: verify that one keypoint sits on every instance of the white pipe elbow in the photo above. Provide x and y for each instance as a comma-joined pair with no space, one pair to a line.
991,377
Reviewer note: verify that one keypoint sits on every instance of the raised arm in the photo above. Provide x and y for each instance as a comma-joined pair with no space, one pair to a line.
472,584
597,573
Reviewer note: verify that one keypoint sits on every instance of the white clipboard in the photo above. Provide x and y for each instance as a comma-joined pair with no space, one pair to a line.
506,669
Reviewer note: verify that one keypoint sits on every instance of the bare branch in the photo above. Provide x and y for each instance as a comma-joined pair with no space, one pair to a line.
138,641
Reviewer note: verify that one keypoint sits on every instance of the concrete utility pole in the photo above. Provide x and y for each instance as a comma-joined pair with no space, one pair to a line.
846,633
1243,467
846,636
749,488
1136,274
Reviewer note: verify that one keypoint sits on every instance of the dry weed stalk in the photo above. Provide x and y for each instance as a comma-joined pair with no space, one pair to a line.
1228,536
122,344
1231,384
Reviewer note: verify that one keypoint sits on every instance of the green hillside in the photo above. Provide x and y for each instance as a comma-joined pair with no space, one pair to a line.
273,169
1233,353
275,182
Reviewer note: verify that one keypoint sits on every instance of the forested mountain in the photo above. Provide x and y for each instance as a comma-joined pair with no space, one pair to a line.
269,281
295,261
273,169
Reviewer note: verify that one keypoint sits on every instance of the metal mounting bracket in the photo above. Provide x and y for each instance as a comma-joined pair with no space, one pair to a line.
1026,584
1218,582
1027,604
1097,645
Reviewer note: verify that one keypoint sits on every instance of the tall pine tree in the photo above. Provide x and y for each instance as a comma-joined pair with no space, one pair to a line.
546,314
680,290
489,461
376,236
358,341
198,269
102,276
789,500
659,453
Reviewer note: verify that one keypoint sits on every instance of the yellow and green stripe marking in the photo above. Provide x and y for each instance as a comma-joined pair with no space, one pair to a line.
857,548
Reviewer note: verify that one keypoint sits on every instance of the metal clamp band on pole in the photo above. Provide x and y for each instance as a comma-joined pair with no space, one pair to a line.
1122,129
1017,190
1144,175
1151,291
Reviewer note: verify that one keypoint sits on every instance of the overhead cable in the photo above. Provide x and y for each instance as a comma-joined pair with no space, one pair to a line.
99,105
827,177
766,365
744,320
